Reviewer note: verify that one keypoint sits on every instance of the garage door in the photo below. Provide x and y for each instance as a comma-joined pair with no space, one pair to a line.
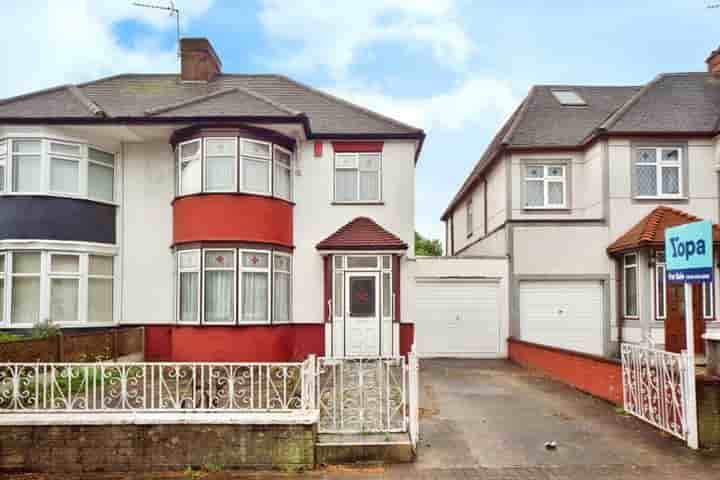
566,314
457,318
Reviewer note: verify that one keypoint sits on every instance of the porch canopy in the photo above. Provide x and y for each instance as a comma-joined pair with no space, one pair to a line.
650,231
362,234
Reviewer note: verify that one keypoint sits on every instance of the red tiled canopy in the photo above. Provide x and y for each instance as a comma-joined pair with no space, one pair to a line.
650,231
362,234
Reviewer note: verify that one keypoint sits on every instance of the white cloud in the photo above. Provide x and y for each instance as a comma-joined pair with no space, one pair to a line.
47,43
332,33
477,100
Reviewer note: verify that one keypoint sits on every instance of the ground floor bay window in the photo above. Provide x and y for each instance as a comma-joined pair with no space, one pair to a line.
65,288
234,286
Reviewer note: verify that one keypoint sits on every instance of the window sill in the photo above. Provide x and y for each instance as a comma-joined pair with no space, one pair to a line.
379,202
26,326
631,318
59,195
247,194
660,197
549,209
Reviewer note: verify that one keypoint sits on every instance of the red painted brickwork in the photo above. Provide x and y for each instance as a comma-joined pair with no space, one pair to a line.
260,343
597,376
407,337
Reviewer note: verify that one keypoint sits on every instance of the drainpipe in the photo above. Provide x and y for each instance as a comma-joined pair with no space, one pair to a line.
619,297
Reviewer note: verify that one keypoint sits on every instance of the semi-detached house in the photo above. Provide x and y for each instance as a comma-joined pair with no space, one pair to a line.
576,189
236,217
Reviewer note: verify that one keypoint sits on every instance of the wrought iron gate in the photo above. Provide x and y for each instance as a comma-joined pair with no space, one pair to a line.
655,386
360,395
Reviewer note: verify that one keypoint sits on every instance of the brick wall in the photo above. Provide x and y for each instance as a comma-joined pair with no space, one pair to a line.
135,448
708,408
597,376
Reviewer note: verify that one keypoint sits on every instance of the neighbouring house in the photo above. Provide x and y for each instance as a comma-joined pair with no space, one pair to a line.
236,217
576,189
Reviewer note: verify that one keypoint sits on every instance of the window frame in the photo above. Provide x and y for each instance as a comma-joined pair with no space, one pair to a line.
359,170
708,289
204,155
270,163
46,157
289,273
546,180
82,290
178,169
241,284
4,155
289,168
627,267
199,271
659,164
660,316
97,276
469,217
203,284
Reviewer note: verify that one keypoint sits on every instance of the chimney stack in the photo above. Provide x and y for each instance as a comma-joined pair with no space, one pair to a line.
198,60
713,62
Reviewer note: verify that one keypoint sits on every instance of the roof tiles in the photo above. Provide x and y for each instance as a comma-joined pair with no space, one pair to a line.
362,234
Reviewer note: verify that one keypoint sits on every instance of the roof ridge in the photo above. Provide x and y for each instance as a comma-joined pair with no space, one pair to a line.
622,110
93,107
269,101
348,103
189,101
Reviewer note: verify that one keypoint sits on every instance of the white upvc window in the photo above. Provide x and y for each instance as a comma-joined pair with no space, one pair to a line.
188,286
101,275
545,186
708,301
388,297
255,286
3,164
282,287
64,283
27,166
189,167
3,305
219,286
660,292
658,172
282,176
220,164
65,159
101,175
256,172
358,177
630,284
25,288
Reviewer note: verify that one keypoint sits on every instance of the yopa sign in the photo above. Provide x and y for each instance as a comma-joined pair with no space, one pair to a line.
688,253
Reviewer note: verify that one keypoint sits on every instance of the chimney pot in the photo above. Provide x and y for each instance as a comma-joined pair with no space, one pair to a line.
198,60
713,61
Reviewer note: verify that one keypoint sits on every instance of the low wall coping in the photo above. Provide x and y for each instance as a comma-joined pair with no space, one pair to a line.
307,417
589,356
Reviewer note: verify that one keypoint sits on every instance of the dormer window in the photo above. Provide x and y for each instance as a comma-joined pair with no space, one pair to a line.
569,98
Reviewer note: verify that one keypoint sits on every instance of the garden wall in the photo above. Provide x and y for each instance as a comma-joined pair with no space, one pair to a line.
145,448
598,376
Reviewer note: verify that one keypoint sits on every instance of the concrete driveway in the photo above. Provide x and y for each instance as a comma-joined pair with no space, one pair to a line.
491,419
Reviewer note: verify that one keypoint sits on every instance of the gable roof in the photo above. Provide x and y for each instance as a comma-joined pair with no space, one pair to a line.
673,103
149,96
362,233
650,231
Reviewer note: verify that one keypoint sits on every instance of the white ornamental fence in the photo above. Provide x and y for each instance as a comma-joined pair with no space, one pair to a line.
655,387
352,395
153,387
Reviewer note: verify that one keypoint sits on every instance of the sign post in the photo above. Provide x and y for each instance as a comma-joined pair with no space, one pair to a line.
689,259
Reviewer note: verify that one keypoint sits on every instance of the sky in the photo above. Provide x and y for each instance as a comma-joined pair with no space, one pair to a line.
456,68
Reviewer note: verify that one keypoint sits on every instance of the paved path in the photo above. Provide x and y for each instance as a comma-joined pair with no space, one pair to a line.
490,420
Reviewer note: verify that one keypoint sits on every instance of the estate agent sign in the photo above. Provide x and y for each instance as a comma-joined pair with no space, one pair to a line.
688,260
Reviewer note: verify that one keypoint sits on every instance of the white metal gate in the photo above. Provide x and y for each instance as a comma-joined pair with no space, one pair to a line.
362,395
655,385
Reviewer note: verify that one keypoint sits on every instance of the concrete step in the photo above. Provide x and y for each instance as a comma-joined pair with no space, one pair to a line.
374,448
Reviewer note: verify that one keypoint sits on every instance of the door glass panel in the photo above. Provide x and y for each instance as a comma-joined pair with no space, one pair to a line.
362,296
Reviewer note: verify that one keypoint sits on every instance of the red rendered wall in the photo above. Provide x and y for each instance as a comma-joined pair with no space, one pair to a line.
276,343
407,337
597,376
158,343
232,217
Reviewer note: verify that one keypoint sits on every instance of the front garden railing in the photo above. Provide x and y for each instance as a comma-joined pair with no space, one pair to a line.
166,387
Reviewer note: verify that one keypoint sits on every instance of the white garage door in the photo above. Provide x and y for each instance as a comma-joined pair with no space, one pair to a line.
564,314
457,318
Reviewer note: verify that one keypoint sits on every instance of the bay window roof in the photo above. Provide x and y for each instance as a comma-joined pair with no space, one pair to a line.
362,234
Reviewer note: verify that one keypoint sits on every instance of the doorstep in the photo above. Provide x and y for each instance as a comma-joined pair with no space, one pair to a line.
373,448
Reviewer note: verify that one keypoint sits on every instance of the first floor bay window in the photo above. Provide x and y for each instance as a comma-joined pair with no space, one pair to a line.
234,286
64,288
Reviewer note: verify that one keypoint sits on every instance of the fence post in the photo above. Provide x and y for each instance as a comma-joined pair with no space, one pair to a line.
414,396
60,347
142,342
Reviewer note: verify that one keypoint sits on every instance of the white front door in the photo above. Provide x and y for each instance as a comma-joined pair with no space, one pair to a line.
362,303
